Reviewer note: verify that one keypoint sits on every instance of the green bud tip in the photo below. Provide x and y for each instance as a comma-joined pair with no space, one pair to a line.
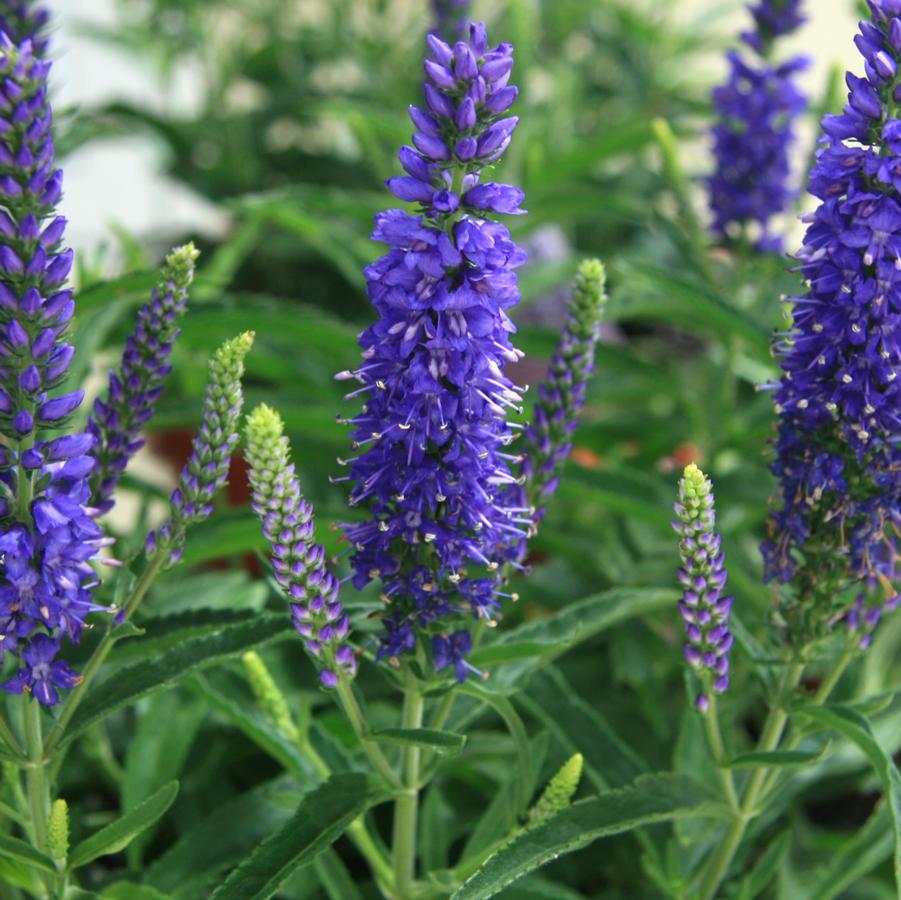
58,830
264,425
228,360
267,694
560,790
589,297
695,493
180,263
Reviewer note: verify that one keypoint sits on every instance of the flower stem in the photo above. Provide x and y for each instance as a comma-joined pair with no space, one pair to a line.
103,649
719,863
355,716
715,737
35,775
407,804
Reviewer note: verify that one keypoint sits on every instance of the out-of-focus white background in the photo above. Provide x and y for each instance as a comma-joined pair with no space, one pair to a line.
118,181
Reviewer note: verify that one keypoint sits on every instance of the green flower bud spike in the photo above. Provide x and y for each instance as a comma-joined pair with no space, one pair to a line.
206,471
559,792
58,832
269,698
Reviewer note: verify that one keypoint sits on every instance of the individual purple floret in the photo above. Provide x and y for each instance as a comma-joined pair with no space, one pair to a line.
48,536
548,439
839,399
433,467
297,562
128,404
756,111
25,20
206,470
704,607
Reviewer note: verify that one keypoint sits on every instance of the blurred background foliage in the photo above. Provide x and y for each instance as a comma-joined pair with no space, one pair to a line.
301,111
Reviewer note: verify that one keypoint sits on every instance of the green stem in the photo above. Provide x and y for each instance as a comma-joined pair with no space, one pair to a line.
35,775
355,716
98,657
7,736
407,804
357,829
715,737
719,863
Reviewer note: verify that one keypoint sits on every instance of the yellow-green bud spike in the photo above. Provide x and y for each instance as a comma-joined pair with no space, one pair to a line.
559,792
58,831
269,698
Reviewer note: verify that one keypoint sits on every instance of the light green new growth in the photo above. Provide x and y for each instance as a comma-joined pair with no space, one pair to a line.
266,442
58,831
179,266
589,296
269,698
695,494
559,792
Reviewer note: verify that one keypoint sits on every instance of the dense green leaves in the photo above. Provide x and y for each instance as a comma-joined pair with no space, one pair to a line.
443,742
20,851
321,818
653,798
185,657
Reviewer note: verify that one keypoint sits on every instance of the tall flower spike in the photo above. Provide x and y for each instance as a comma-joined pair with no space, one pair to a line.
47,531
433,467
838,455
756,111
705,609
206,470
548,439
25,20
298,562
129,401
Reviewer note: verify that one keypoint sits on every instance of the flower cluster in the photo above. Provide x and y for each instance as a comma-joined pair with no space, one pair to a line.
561,396
449,18
206,470
704,607
26,20
128,404
838,456
48,536
297,562
433,467
756,110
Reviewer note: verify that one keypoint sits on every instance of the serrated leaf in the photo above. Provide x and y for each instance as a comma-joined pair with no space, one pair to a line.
13,848
850,724
131,683
653,798
443,742
119,834
764,871
321,818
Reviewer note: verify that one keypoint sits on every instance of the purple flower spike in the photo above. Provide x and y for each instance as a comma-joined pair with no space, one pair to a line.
48,536
25,20
756,112
704,609
433,467
127,406
838,457
562,395
298,563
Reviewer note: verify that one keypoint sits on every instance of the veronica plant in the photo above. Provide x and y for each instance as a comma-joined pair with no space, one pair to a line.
55,481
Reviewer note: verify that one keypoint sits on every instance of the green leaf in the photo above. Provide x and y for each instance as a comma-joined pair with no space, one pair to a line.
13,848
861,853
120,833
334,877
856,728
581,728
131,683
444,742
128,890
322,817
653,798
778,758
765,868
